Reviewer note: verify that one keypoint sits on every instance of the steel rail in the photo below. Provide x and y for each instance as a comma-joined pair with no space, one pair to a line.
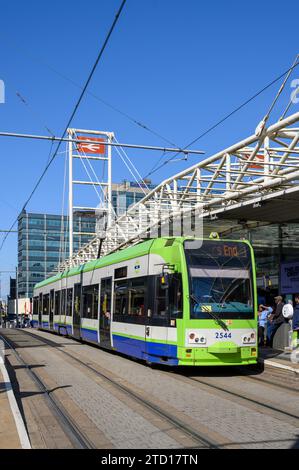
179,424
76,436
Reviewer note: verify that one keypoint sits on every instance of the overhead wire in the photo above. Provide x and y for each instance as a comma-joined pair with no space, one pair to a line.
157,167
73,112
128,116
138,181
62,230
26,103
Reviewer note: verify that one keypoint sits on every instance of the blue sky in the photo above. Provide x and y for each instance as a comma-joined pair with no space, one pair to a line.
177,66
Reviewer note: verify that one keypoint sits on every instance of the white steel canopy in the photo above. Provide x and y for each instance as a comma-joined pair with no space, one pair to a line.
258,168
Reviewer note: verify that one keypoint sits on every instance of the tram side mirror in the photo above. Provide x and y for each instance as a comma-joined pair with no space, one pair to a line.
164,281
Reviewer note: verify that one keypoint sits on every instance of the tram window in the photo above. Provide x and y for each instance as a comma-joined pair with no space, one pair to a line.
105,301
69,302
35,306
40,304
63,302
175,296
90,301
161,300
120,272
52,304
46,304
137,293
120,294
169,302
57,302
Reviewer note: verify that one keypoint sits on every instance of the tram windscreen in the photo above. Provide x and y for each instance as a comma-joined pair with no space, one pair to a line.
220,279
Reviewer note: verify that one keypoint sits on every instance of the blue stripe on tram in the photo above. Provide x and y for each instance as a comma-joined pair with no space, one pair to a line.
154,352
89,335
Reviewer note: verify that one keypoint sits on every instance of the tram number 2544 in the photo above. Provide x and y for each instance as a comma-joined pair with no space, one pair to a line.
221,335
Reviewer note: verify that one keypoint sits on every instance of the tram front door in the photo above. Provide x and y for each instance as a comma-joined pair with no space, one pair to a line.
40,310
105,312
77,311
51,310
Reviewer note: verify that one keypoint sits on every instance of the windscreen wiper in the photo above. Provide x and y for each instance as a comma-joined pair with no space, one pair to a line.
213,315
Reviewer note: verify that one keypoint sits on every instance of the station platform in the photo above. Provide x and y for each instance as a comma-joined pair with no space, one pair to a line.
9,437
13,434
287,360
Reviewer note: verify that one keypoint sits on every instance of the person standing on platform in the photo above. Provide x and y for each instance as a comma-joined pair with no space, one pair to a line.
275,319
295,321
263,314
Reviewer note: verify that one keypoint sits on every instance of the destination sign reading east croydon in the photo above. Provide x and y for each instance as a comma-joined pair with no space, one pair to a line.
96,148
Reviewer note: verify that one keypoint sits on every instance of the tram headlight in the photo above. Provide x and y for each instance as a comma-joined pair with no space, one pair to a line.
196,338
249,338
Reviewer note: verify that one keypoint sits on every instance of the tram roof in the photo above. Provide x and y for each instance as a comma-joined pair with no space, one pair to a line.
133,251
127,253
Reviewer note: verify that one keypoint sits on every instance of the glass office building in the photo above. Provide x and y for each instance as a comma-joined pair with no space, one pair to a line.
43,243
128,193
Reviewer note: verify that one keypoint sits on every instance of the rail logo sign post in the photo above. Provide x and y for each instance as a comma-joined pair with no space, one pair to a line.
96,148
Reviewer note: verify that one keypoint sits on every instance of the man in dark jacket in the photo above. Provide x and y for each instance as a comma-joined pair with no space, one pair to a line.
276,319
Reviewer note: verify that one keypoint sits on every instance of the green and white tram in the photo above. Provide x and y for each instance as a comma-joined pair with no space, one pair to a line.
174,301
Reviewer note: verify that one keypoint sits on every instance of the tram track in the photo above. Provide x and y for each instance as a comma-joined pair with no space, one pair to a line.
78,439
179,424
277,375
252,400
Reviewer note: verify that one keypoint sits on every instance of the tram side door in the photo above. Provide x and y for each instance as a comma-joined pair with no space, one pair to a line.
105,312
77,311
51,310
157,321
40,310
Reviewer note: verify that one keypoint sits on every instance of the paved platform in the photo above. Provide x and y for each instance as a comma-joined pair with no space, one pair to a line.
9,436
287,360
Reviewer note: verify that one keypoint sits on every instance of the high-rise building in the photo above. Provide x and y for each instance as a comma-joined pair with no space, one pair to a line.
127,193
43,242
124,195
12,288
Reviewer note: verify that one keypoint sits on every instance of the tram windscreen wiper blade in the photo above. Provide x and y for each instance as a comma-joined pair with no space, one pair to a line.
213,315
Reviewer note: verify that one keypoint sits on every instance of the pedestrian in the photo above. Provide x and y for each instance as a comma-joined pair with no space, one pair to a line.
295,321
30,320
275,319
263,313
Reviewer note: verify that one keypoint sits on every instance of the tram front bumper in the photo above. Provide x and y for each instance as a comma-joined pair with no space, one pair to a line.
216,355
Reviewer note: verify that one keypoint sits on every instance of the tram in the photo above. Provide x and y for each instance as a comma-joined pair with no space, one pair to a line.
173,300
